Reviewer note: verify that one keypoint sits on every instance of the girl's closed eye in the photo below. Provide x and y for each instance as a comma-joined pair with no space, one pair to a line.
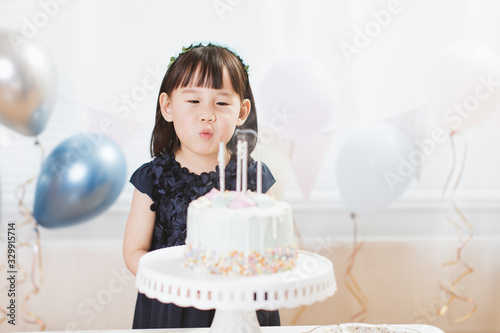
193,101
222,103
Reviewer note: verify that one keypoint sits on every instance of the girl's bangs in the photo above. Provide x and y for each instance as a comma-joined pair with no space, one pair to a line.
203,75
204,67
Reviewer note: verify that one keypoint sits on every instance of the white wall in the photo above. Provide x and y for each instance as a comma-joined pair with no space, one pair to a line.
103,50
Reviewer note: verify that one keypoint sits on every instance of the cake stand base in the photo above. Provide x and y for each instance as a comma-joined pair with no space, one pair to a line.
236,321
236,299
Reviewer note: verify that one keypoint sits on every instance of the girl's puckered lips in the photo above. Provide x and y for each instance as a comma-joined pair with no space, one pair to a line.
206,134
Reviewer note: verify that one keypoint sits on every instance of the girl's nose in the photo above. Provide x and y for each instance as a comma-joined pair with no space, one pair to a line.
207,117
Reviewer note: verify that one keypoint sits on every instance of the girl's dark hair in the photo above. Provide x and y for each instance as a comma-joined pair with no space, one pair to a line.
207,64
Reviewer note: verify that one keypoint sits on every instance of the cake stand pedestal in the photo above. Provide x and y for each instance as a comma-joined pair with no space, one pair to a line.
162,275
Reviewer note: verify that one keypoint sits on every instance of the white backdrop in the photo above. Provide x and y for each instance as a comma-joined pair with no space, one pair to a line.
104,51
109,56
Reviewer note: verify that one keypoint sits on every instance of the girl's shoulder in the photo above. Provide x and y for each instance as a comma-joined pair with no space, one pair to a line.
164,171
165,174
145,176
148,168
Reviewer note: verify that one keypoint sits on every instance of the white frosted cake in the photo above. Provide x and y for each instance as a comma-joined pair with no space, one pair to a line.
236,233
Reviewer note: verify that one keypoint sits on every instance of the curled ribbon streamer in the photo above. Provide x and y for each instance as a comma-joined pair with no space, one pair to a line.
37,258
42,151
298,315
300,242
36,251
461,242
350,281
20,271
2,267
2,310
298,234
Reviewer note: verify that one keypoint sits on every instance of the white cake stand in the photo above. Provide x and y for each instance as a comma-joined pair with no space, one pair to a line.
161,275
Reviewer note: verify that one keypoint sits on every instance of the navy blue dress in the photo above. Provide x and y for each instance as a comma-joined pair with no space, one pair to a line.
172,188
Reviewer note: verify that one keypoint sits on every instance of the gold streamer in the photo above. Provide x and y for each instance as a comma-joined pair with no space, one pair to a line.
36,264
298,315
300,246
298,235
350,281
451,291
2,310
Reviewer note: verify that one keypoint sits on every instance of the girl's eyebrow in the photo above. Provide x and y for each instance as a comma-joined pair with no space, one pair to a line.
224,93
193,91
188,91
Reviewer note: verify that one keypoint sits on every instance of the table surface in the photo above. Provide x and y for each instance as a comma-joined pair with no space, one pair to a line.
281,329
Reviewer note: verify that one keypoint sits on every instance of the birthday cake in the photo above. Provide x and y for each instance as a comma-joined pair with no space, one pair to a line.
239,233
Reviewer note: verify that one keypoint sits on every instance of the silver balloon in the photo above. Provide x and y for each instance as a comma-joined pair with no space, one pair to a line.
80,179
27,84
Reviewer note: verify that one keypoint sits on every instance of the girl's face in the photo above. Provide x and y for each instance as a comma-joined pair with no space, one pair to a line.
203,117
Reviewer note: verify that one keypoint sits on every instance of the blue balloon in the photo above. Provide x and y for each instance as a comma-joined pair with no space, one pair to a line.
79,180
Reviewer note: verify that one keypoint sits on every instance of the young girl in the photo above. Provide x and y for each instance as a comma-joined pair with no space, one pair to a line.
205,95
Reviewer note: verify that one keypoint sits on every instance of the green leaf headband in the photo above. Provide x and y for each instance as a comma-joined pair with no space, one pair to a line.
192,46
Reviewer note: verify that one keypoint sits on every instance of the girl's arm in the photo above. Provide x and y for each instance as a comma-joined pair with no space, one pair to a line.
139,230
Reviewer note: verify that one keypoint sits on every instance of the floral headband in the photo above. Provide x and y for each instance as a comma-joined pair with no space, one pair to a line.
192,46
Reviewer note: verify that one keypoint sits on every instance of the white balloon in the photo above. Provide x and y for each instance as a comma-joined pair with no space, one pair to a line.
296,98
373,168
463,85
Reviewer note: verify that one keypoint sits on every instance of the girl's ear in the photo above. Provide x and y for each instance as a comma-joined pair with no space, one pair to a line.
246,106
166,107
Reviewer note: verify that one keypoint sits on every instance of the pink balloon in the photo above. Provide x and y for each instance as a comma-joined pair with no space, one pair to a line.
462,85
297,98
